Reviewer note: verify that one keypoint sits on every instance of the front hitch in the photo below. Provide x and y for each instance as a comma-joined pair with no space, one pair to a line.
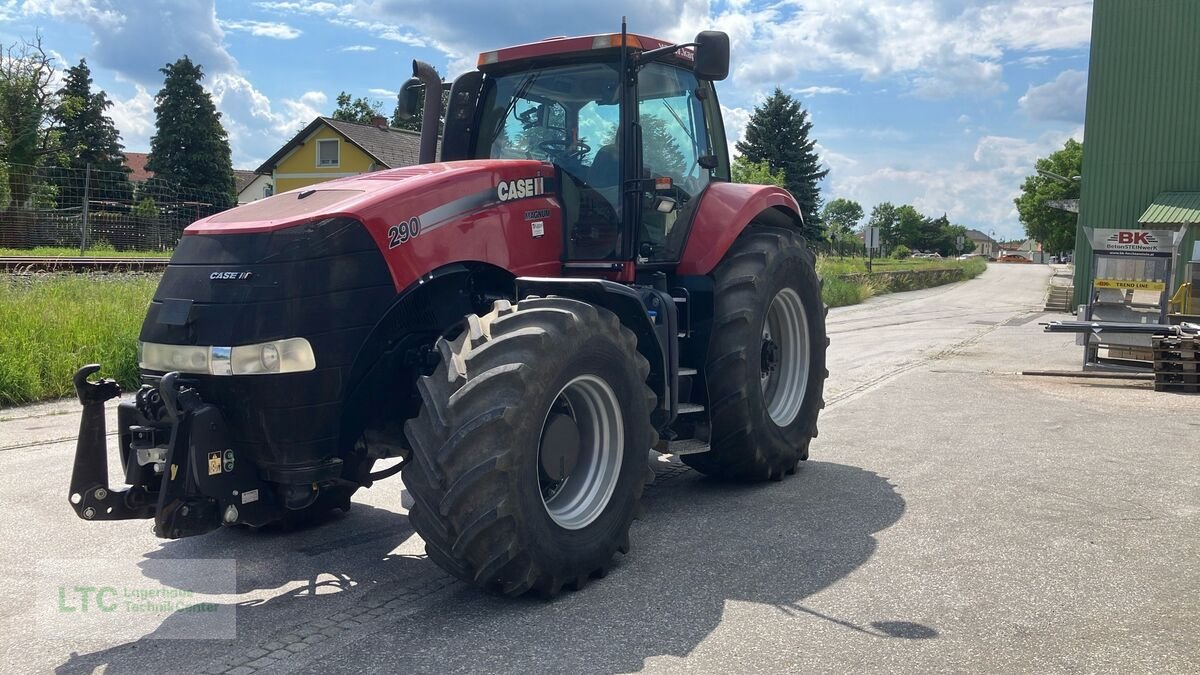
177,456
91,496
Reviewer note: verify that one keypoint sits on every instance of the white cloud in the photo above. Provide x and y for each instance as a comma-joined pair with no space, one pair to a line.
736,120
384,31
358,48
821,90
256,127
379,91
1064,98
269,29
143,36
302,7
95,12
977,191
937,47
134,118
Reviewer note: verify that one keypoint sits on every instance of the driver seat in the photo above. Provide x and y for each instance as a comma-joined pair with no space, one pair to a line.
606,167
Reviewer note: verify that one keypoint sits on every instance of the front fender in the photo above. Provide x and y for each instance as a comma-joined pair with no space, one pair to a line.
725,210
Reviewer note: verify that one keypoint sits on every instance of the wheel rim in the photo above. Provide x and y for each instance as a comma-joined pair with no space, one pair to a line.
784,358
576,499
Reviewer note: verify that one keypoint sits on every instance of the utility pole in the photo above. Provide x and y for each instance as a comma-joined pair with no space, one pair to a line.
87,183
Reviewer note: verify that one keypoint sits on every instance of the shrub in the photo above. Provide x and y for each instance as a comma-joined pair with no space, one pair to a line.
901,252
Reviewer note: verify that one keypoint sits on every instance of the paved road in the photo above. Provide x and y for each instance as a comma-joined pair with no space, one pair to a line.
955,516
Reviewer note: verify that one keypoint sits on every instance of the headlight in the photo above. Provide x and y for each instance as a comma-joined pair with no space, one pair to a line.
293,355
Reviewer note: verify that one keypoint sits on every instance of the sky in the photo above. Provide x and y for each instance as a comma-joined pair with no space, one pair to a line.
942,104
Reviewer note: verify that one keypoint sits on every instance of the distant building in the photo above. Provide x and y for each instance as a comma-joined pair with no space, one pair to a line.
984,245
136,162
329,148
251,186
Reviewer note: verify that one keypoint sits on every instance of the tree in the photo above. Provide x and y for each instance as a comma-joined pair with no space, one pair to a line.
190,149
660,151
360,110
909,223
414,123
884,217
87,137
26,106
1053,227
777,133
841,217
756,173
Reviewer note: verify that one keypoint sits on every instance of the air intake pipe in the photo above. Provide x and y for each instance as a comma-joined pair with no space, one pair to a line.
427,76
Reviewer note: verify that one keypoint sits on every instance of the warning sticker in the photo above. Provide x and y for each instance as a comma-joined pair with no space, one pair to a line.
214,463
1131,284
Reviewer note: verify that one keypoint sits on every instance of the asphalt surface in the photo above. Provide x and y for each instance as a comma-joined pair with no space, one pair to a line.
955,516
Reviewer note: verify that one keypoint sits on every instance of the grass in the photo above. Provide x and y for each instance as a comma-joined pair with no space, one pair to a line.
840,291
830,266
101,251
50,325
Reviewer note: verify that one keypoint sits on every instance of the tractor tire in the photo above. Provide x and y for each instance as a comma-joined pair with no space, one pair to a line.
765,367
529,453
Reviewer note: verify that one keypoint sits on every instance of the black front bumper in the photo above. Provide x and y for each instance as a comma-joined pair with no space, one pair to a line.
177,457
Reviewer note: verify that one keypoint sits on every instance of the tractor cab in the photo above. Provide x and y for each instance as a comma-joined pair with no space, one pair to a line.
631,125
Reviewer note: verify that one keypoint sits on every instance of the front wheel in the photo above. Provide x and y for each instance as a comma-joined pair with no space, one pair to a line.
529,453
765,366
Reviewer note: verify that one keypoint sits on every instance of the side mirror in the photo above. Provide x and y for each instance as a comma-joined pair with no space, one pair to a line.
410,99
712,55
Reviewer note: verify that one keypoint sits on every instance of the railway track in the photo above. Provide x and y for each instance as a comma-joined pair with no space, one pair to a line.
11,264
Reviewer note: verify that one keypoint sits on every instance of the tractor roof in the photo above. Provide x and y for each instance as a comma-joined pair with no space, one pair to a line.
562,46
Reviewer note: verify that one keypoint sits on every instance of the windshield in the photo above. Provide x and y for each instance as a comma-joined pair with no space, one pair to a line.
565,114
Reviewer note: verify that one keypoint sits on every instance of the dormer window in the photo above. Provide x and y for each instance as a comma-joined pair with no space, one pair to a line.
327,152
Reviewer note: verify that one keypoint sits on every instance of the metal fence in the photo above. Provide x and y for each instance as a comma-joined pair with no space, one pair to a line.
92,210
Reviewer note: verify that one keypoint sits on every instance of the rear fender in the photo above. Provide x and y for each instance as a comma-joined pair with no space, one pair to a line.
724,211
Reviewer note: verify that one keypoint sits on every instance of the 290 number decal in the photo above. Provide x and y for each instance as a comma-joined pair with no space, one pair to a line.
407,229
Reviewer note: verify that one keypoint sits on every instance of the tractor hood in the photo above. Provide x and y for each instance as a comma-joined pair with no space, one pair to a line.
388,195
503,212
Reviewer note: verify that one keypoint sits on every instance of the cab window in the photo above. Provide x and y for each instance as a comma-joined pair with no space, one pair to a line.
675,145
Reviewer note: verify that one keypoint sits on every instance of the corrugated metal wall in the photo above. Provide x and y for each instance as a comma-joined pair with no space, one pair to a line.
1142,128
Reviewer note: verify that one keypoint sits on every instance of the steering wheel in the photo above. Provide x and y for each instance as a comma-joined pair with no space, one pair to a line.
565,147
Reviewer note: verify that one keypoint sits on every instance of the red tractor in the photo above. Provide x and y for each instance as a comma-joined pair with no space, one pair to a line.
576,283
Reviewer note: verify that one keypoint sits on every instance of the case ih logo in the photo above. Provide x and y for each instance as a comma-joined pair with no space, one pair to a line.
230,276
1133,238
519,189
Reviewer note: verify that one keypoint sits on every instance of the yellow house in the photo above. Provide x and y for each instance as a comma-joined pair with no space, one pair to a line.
329,148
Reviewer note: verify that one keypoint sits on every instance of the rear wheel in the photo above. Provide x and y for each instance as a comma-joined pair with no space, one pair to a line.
529,454
765,367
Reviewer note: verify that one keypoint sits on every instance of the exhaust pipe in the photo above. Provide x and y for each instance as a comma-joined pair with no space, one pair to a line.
427,76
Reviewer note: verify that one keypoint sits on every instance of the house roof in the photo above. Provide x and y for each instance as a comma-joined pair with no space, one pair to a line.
389,147
976,235
242,178
136,161
1173,208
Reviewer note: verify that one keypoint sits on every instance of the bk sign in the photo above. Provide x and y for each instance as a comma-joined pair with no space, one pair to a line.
1145,242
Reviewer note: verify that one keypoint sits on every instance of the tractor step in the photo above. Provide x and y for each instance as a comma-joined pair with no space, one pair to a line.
688,447
687,372
690,408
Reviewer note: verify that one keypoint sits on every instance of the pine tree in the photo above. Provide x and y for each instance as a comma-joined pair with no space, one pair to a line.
778,134
87,137
190,149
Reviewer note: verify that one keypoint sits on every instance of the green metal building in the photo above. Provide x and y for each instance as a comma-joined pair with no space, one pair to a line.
1141,158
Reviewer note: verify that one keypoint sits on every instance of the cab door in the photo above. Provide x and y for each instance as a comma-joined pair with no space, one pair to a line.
683,150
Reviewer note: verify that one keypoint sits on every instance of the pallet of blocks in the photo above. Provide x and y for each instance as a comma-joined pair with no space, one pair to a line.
1177,364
